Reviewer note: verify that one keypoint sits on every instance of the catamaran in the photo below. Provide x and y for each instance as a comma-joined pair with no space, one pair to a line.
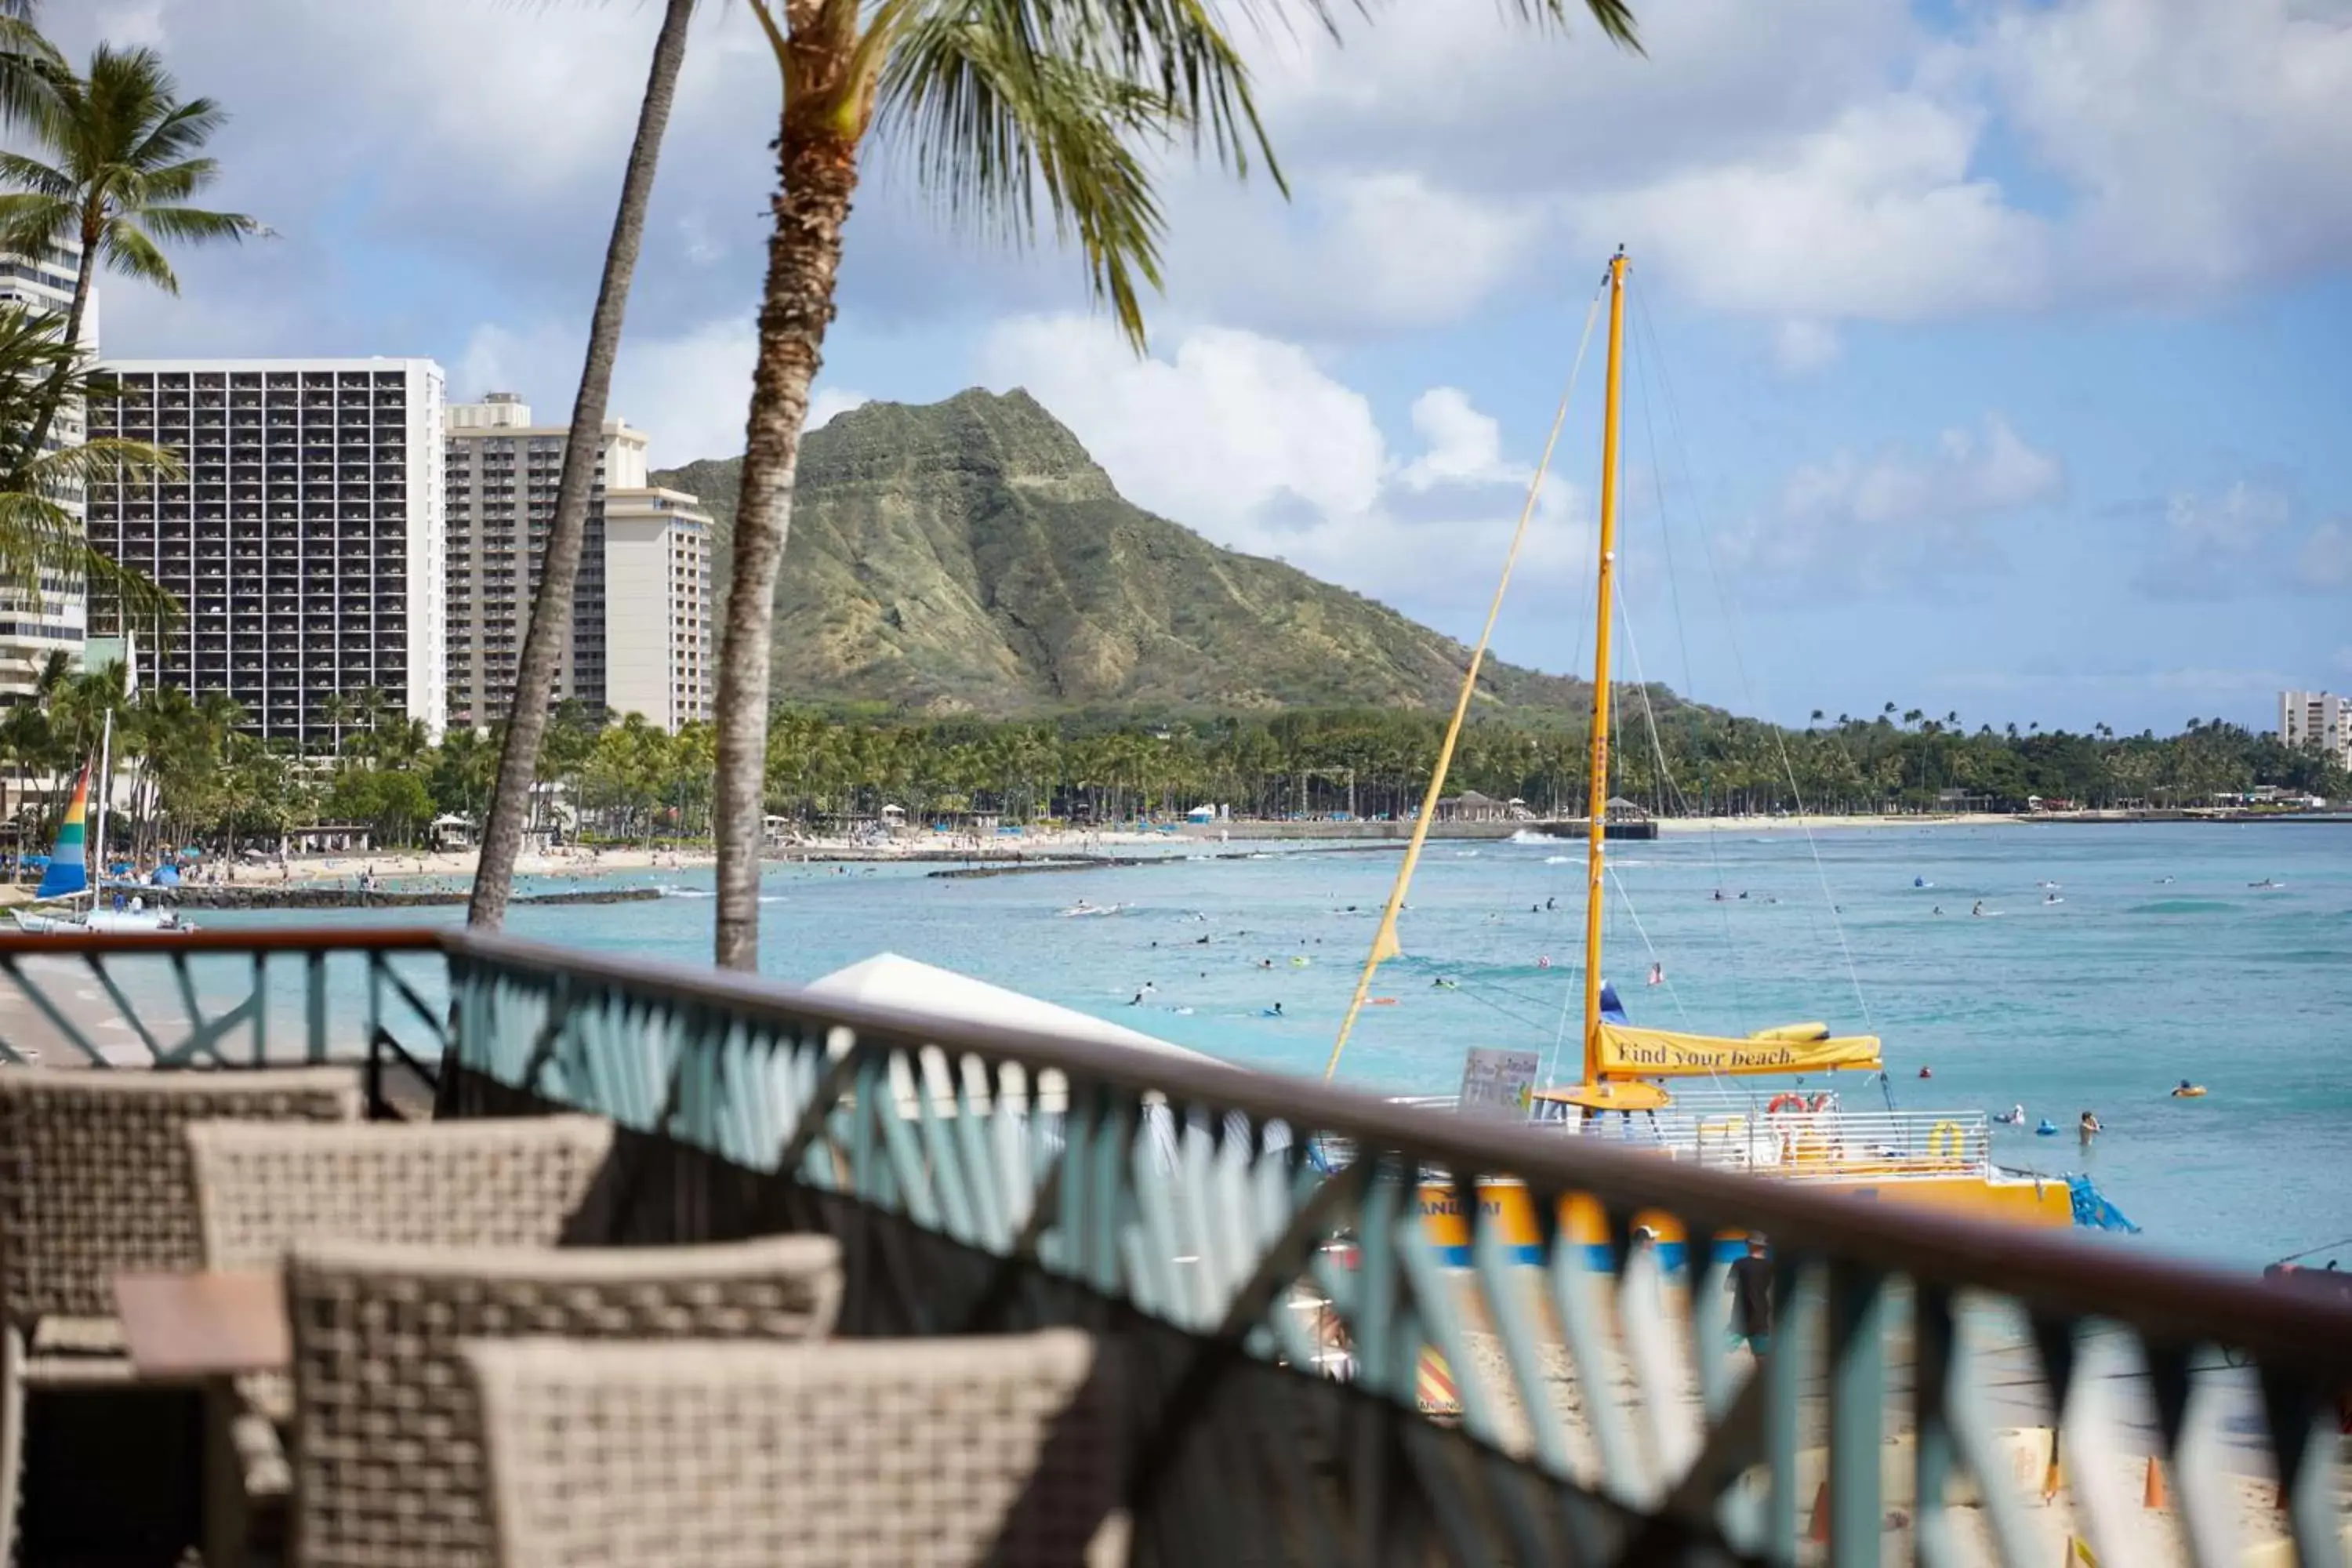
1804,1131
68,874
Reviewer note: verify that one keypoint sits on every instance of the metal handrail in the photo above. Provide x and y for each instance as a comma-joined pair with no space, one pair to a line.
2169,1299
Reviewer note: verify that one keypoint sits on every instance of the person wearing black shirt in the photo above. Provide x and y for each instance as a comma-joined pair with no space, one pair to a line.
1751,1284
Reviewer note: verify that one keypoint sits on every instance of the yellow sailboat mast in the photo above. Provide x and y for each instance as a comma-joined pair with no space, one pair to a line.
1597,829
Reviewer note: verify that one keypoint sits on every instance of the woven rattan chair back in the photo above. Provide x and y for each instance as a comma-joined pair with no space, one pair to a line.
388,1465
259,1189
927,1453
95,1178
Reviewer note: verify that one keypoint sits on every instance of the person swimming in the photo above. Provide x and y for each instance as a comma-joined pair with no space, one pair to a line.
1137,1000
1657,975
2087,1127
1274,1011
2013,1117
1442,984
1925,1072
1937,910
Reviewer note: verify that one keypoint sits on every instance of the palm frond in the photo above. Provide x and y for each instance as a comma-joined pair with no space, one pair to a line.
989,126
193,225
43,550
126,249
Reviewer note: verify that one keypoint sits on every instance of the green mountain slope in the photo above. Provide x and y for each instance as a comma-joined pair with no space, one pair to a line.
969,557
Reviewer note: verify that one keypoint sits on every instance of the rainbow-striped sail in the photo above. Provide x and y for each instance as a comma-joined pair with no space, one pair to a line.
69,872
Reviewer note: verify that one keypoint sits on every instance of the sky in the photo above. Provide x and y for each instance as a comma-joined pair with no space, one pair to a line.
1985,357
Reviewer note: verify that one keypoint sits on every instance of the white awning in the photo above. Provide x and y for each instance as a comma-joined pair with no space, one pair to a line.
888,979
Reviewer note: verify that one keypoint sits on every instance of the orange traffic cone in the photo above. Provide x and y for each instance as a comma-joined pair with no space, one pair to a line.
2152,1494
1819,1529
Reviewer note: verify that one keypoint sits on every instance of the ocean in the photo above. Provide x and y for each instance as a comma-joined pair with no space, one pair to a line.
2160,959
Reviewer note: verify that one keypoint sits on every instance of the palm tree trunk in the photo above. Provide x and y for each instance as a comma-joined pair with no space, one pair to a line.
551,614
817,173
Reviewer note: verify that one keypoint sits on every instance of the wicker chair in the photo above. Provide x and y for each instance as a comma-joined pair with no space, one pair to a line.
262,1190
259,1189
386,1451
930,1452
95,1182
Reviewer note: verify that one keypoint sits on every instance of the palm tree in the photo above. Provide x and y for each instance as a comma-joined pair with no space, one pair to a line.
559,571
126,163
995,104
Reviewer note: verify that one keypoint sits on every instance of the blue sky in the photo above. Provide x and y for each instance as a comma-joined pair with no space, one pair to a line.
1993,352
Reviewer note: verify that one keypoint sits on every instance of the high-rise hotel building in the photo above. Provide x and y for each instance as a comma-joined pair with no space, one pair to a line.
304,540
35,625
640,636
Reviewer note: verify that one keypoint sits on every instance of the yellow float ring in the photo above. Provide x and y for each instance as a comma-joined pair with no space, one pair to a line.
1947,1139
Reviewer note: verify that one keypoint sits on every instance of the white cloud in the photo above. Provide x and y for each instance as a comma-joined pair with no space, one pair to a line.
1899,516
2324,561
1800,347
2206,139
1873,216
690,393
1253,443
2210,544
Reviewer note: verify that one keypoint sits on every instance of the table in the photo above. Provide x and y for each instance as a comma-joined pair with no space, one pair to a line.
191,1328
206,1328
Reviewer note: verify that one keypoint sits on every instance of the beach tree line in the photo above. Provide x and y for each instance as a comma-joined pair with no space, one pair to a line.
192,776
1689,761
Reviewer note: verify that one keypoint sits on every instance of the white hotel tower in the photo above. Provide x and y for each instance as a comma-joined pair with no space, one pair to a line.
305,540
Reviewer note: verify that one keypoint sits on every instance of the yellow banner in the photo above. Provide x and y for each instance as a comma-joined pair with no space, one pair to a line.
1660,1053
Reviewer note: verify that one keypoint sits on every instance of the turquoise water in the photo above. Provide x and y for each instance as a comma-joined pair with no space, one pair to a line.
2159,963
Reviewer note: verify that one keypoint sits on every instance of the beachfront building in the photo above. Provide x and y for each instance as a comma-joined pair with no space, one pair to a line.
640,639
657,644
304,539
2317,722
37,626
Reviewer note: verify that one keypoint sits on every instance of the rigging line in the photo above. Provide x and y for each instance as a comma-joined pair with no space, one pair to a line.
1707,818
1384,942
1731,628
1633,914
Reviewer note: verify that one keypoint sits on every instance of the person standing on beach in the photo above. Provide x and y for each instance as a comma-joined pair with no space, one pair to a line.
1751,1284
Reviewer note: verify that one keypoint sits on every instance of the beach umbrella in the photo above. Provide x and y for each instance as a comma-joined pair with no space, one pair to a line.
191,853
167,876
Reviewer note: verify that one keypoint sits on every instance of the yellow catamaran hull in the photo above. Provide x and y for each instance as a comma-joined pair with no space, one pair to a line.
2009,1199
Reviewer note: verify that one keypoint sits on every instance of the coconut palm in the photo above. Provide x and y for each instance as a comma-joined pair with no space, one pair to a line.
125,161
996,102
559,571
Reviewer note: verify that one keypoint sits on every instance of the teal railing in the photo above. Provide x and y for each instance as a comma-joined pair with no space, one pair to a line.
1934,1391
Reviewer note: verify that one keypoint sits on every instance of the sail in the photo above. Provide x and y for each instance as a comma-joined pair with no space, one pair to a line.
1626,1052
67,874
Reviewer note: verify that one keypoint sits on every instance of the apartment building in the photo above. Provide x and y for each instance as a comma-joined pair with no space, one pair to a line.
501,474
35,625
657,644
305,539
2317,721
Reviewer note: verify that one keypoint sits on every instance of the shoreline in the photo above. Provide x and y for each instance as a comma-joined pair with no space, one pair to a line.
300,881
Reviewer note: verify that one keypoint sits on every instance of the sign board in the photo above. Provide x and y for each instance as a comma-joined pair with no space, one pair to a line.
1498,1083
